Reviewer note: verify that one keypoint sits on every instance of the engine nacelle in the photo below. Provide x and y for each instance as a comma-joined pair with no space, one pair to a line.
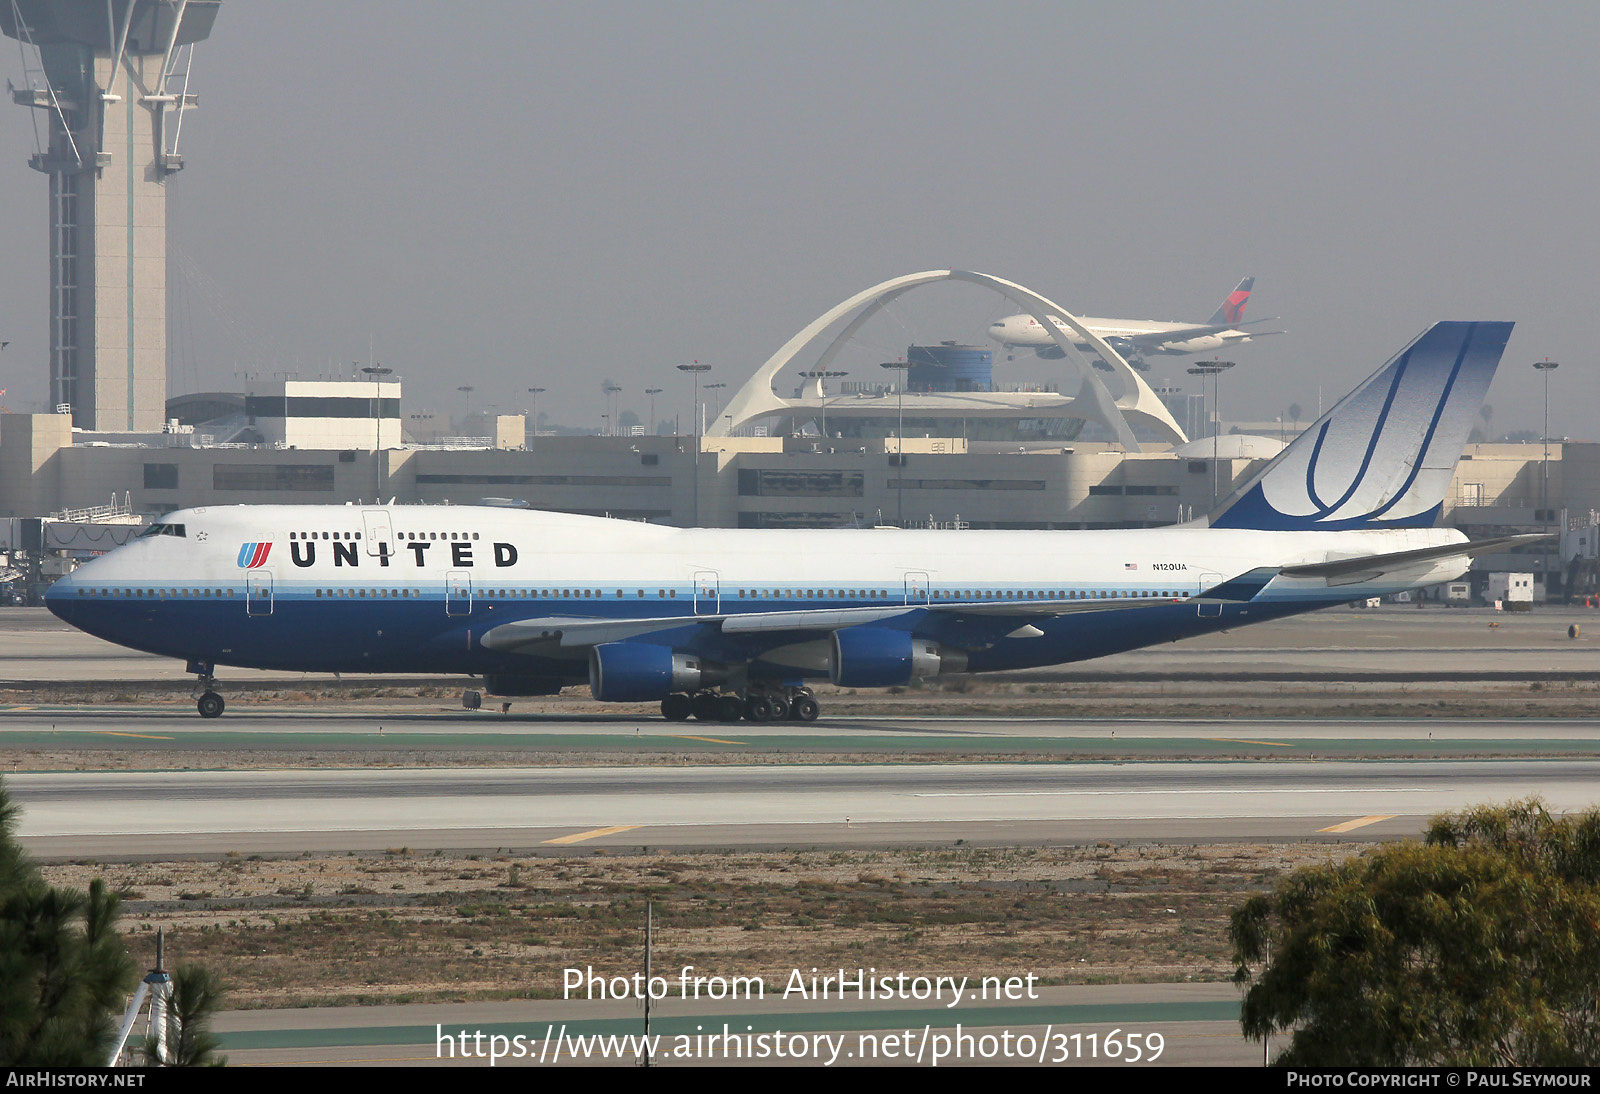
875,657
1199,344
523,685
637,672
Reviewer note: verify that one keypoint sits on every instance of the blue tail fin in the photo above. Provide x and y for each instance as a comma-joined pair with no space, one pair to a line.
1384,456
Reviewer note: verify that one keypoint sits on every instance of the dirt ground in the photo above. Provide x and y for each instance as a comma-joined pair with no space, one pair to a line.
405,926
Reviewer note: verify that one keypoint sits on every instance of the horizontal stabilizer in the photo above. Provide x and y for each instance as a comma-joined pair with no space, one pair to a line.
1352,571
1382,564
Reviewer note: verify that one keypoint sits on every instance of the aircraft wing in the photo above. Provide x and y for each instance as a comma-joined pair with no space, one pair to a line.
1183,334
553,635
550,635
576,633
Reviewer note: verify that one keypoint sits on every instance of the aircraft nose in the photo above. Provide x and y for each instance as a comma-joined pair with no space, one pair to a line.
61,595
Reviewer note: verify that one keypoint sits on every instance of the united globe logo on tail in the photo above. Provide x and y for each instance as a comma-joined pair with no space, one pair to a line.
1384,456
252,555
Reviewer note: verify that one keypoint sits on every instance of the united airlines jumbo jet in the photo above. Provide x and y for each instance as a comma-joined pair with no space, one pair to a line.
723,624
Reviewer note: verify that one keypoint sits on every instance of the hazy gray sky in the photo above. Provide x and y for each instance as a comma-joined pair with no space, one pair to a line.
514,194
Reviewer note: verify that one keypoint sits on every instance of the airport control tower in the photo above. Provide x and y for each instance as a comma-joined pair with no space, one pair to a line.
108,81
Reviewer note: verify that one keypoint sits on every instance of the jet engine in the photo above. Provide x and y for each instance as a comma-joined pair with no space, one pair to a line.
875,657
1201,344
636,672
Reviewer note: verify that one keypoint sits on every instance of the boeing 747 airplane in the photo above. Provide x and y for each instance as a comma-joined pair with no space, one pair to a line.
729,624
1137,338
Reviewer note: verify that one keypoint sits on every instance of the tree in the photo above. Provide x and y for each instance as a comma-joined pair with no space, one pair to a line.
63,969
196,997
65,973
1479,946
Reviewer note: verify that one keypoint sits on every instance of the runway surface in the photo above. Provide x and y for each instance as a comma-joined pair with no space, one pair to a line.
842,805
70,738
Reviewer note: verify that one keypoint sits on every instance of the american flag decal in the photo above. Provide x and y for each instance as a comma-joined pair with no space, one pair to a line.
1130,565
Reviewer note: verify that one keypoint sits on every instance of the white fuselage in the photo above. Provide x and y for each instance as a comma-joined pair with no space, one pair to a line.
400,588
1026,331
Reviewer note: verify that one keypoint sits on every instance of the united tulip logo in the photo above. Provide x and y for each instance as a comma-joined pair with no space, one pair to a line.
252,555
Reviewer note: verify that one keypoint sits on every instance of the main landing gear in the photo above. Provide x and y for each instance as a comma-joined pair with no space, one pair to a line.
210,704
756,705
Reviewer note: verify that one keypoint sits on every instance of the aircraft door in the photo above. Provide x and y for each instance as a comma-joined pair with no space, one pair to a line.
379,536
458,593
917,587
707,593
1213,609
258,594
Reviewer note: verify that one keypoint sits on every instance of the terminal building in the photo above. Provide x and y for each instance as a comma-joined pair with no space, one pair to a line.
930,440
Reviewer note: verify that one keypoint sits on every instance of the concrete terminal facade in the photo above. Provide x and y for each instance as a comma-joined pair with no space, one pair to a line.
751,482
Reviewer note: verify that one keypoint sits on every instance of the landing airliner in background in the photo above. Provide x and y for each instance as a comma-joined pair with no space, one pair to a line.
728,624
1136,339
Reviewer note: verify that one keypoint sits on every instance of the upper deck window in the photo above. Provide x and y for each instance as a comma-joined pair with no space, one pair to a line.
164,530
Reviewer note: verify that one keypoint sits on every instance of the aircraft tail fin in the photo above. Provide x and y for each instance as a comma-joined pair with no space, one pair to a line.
1384,456
1232,309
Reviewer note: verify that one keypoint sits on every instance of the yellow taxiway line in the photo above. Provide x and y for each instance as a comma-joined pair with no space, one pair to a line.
579,837
1359,822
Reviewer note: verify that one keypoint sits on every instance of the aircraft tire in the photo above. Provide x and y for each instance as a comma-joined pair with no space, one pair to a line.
210,705
730,708
805,709
676,707
471,700
780,708
759,708
704,706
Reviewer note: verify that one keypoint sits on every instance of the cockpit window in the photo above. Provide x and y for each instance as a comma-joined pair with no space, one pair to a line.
164,530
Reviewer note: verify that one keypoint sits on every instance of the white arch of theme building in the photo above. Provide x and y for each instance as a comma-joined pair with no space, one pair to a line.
756,399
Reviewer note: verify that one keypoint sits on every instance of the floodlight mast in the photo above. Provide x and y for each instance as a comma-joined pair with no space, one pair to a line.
378,372
904,369
1213,369
696,369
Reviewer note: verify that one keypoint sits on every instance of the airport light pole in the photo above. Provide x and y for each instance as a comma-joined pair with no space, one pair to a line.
718,397
1213,369
535,392
613,403
466,389
697,368
378,371
652,392
903,368
819,375
1546,367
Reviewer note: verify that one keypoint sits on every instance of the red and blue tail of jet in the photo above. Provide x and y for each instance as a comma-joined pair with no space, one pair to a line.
1232,309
